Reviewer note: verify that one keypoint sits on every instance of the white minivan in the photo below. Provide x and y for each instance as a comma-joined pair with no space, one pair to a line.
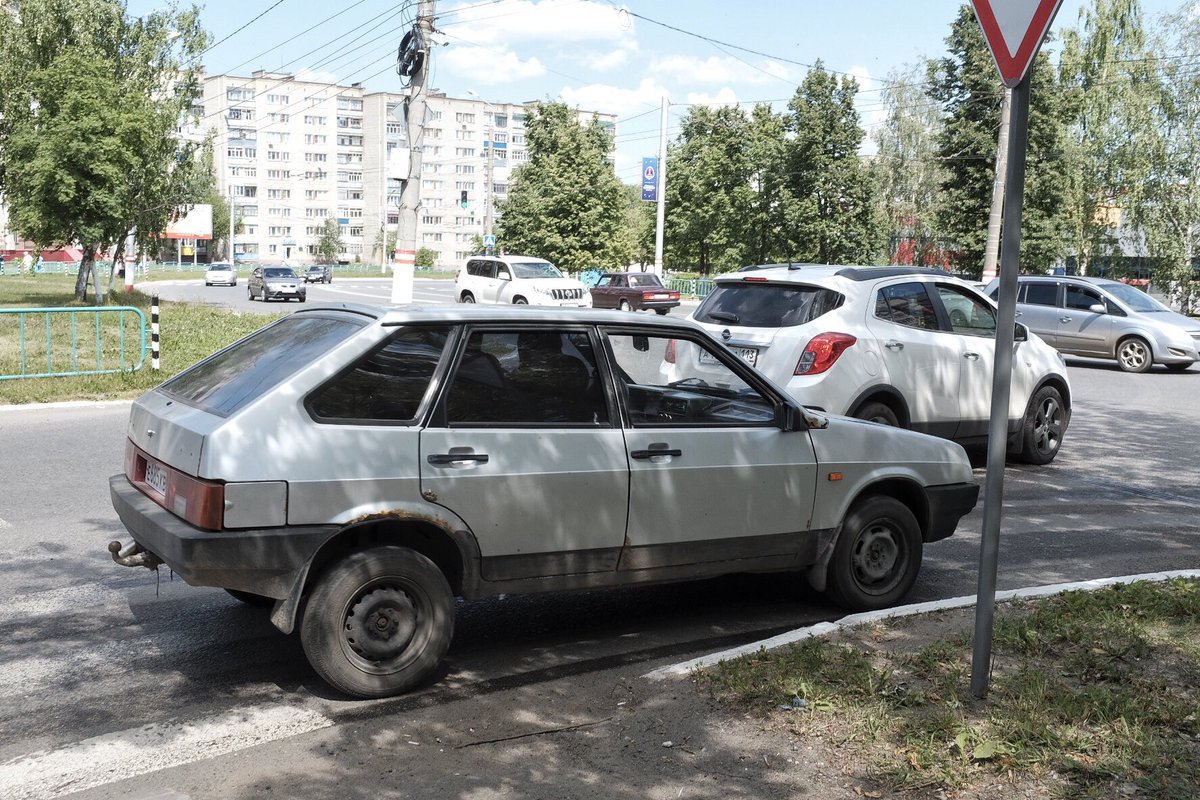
518,280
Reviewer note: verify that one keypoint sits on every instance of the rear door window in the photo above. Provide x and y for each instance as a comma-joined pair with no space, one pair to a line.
1040,293
907,304
251,367
766,305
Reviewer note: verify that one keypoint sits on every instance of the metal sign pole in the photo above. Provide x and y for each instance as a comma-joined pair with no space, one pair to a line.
993,489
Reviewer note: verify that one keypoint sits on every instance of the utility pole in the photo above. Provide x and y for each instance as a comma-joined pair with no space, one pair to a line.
491,160
991,250
661,213
406,234
232,224
383,179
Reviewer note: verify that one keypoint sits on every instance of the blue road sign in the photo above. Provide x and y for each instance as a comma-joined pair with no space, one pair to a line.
489,240
650,179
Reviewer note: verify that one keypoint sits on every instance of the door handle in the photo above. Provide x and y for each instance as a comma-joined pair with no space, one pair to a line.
971,356
892,344
660,450
1064,319
1019,313
457,458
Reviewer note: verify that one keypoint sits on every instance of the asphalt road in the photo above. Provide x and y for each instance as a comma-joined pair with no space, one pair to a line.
108,674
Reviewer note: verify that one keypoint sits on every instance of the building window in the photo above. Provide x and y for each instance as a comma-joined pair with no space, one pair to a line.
465,169
347,140
277,136
468,185
354,123
349,104
239,94
319,175
278,99
272,248
243,172
350,158
431,237
316,157
278,155
311,120
316,213
279,194
245,191
248,211
278,117
241,113
429,220
464,151
279,230
279,174
277,211
316,194
315,138
356,231
499,136
462,116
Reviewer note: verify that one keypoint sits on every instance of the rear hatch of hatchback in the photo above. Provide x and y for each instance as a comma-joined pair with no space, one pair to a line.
766,322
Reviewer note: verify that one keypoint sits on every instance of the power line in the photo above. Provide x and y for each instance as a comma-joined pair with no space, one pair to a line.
270,8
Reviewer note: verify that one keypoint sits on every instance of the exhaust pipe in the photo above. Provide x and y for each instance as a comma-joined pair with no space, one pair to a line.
133,556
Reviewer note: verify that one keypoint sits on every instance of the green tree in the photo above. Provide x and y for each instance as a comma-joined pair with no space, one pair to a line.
90,99
835,218
329,241
708,191
907,169
772,199
967,86
1166,205
565,204
1108,87
426,257
390,247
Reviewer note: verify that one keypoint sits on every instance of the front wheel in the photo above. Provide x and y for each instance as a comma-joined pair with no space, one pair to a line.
1134,355
1043,427
467,297
378,622
520,301
264,295
877,556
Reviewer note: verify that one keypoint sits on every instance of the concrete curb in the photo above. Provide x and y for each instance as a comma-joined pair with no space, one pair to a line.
822,628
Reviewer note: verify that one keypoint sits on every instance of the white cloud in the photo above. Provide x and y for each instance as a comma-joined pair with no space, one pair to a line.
715,70
615,99
317,76
490,65
518,21
609,61
725,97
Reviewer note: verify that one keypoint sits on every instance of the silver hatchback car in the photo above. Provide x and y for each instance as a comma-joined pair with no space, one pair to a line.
1099,318
356,468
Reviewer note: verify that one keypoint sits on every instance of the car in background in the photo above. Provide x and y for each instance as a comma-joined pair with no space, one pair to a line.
275,283
519,280
319,273
904,346
222,273
633,291
359,467
1099,318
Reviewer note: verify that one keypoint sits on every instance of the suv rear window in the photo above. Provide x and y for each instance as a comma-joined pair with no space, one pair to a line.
249,368
766,305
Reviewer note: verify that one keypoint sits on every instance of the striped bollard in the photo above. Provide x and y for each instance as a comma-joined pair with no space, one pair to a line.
154,332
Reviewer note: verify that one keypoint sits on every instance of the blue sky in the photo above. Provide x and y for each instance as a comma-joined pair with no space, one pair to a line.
610,56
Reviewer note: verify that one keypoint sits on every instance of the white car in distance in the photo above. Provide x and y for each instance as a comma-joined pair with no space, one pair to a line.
518,280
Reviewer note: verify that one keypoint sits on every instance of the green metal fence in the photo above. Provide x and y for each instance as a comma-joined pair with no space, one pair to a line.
692,287
54,342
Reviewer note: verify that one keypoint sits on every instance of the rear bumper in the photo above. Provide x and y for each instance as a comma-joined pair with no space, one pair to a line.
266,562
947,505
656,304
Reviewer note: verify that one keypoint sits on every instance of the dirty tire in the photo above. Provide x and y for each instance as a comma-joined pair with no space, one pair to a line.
1178,367
249,292
877,556
467,297
251,599
1043,427
662,312
1134,354
877,412
378,622
624,305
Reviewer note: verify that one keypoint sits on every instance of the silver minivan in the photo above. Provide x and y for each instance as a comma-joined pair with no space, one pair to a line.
1100,318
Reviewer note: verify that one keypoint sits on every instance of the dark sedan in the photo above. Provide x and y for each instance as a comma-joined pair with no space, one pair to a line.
633,291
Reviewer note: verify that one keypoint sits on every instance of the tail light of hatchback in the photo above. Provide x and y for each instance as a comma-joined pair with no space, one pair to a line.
822,352
200,502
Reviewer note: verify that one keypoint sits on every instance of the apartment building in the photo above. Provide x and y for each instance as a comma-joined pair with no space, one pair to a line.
292,153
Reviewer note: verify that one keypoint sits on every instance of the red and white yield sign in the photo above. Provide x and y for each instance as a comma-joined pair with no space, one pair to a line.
1014,30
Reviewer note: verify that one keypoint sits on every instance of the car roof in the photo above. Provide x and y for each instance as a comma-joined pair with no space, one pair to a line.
474,313
802,272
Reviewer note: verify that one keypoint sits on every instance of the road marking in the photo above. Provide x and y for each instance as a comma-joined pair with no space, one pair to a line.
113,757
4,524
69,599
822,628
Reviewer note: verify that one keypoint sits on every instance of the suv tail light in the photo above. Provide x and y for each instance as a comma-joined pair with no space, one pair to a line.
822,352
669,355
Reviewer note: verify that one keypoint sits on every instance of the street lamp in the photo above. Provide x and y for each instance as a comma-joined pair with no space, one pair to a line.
490,155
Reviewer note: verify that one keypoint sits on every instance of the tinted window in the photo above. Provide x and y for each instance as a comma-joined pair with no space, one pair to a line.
906,304
527,377
1041,293
721,397
253,366
968,314
482,269
279,272
1082,299
766,305
535,269
388,384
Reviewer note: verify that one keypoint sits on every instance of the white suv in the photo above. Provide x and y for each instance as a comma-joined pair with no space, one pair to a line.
904,346
519,280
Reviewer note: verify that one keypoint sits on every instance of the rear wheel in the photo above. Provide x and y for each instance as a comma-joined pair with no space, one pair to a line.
1043,427
662,312
877,412
378,622
249,292
624,305
467,297
877,556
520,301
1134,355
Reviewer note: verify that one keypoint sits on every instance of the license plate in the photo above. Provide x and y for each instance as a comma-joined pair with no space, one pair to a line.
661,297
747,354
156,478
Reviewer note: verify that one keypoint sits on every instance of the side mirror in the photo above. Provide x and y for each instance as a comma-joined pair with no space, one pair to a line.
1098,308
504,276
790,418
1020,332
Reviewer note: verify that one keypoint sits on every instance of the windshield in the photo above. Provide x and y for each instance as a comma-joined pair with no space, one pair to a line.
278,272
249,368
1136,299
535,269
766,305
